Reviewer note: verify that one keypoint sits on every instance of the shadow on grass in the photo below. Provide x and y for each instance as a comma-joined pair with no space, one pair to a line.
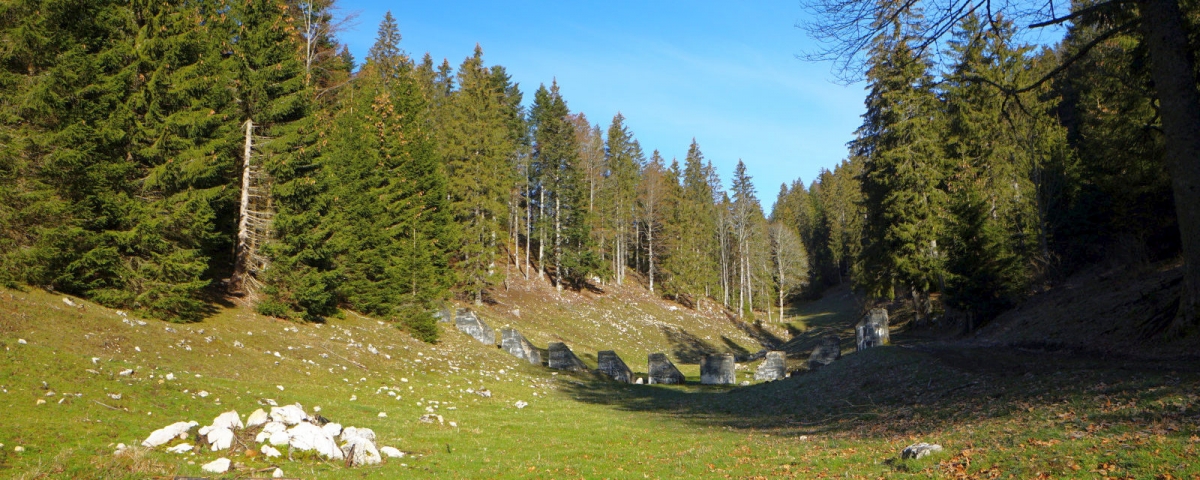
891,391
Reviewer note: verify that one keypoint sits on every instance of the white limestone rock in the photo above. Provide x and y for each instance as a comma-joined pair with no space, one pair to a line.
391,452
168,433
229,420
220,438
269,451
220,465
332,429
306,436
288,414
361,451
278,473
352,432
259,417
181,448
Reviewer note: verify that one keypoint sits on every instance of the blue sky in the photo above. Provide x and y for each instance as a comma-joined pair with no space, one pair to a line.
722,72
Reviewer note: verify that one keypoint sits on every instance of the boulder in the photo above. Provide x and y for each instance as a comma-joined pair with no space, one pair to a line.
288,414
515,344
168,433
353,432
717,369
306,436
332,429
220,438
467,322
229,420
872,330
271,428
562,358
661,370
828,349
609,363
259,417
918,450
360,451
773,367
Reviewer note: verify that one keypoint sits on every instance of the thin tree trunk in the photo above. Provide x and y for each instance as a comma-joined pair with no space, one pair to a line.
541,234
242,257
557,244
1174,75
650,244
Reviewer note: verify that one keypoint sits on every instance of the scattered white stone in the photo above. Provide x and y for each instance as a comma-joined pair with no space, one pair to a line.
95,360
521,404
278,473
69,302
391,452
40,401
258,417
454,424
317,408
168,433
280,387
121,313
202,393
114,396
18,449
229,420
353,398
372,349
22,341
269,451
361,451
220,438
237,344
279,438
404,380
126,372
136,348
181,448
289,414
271,402
382,414
220,465
170,376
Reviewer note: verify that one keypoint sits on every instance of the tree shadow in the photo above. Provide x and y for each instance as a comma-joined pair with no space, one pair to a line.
688,349
890,391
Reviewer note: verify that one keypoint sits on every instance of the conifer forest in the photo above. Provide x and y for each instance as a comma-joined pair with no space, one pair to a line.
156,156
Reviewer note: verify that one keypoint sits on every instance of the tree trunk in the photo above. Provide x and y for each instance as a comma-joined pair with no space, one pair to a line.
1173,71
241,267
557,244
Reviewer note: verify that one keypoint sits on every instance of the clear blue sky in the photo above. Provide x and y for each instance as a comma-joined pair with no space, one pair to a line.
722,72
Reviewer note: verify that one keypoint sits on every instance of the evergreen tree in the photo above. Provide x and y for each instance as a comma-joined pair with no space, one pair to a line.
477,151
903,174
623,158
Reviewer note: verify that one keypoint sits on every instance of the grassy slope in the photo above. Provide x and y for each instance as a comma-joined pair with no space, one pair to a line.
1011,413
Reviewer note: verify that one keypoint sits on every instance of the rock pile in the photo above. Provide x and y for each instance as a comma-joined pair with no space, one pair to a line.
288,426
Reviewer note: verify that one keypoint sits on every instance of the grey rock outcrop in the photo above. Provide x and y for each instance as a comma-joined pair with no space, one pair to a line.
661,370
444,315
514,343
826,351
610,364
562,358
918,450
772,368
467,322
717,369
872,330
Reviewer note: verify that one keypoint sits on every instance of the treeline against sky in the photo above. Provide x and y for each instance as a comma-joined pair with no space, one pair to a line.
984,175
155,154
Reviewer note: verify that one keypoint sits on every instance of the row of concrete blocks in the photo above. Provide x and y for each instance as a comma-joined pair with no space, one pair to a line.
716,369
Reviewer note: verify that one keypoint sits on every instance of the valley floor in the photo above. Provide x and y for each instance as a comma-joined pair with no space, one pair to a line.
1000,412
